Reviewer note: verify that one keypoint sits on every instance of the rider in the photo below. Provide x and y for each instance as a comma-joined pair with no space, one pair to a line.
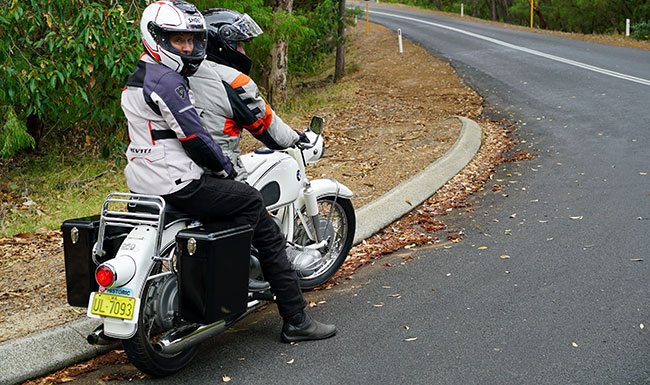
226,98
169,150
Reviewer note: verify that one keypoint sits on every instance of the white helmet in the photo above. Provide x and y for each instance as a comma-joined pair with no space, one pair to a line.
162,19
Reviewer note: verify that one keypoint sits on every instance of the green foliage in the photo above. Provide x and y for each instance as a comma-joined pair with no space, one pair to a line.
641,31
13,134
65,60
310,31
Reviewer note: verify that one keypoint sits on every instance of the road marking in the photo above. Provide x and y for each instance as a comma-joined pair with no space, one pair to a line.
527,50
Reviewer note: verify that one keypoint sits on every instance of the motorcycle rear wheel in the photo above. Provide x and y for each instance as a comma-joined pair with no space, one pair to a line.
341,228
139,348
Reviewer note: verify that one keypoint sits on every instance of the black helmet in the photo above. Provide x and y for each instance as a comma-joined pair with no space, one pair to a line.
226,28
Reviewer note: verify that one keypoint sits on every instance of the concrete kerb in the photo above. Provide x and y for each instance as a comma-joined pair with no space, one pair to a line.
49,350
43,352
400,200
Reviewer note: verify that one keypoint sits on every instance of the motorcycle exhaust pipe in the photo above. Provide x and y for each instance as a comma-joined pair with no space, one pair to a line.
97,337
177,340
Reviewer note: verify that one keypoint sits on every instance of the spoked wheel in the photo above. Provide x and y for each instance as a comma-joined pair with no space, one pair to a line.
157,315
337,223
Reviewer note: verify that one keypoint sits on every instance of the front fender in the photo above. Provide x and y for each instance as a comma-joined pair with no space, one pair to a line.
330,186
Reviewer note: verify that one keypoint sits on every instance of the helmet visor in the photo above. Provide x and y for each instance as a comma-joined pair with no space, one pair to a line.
244,29
181,43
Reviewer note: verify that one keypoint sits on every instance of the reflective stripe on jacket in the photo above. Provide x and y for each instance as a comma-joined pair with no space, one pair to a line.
227,102
168,145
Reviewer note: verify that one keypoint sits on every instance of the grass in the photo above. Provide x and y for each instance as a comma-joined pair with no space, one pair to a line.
40,192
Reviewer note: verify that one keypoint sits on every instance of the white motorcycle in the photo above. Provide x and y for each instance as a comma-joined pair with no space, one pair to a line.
162,282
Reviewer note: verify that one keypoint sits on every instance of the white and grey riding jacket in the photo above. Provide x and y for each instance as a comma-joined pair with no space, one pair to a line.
168,145
227,102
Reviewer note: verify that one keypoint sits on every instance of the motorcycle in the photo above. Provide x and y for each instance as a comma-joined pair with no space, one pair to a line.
162,282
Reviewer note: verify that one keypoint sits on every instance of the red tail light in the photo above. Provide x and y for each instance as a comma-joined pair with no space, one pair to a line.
104,275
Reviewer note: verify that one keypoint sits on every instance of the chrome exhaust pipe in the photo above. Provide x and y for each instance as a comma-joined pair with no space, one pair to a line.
97,337
177,340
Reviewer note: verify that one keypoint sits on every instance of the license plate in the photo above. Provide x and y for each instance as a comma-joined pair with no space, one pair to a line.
115,306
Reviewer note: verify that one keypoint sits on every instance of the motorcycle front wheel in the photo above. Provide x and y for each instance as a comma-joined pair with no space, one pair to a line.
159,297
338,223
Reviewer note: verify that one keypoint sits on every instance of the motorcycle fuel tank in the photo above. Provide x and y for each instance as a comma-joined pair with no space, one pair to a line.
275,174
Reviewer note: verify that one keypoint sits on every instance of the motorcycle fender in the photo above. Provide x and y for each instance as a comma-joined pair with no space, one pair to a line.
330,186
140,246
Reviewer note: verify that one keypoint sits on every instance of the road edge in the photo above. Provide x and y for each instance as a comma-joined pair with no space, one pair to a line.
391,206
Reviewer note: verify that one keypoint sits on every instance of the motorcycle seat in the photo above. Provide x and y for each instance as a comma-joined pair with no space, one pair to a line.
172,213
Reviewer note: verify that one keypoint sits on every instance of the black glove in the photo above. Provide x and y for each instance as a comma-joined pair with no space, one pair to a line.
302,137
232,174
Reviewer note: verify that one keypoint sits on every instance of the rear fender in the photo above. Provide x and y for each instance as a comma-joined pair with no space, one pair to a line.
140,246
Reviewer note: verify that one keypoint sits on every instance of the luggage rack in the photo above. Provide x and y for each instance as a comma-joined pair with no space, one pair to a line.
155,218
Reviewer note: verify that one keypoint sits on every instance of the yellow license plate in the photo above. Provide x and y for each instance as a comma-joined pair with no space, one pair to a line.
116,306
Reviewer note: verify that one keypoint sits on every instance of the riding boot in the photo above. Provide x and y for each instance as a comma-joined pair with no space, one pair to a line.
301,327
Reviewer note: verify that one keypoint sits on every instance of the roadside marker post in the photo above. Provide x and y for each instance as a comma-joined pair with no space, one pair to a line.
461,9
399,39
367,17
627,27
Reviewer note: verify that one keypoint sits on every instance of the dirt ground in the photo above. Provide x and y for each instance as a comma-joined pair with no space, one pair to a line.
390,120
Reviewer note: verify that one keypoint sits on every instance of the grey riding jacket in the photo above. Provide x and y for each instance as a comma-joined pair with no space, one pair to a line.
168,145
227,102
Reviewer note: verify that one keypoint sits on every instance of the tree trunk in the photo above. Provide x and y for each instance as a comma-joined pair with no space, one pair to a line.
474,8
339,68
493,10
277,86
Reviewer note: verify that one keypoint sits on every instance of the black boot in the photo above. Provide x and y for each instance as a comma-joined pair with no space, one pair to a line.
302,328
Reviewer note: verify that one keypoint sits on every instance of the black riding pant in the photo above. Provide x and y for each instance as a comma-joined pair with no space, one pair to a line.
218,199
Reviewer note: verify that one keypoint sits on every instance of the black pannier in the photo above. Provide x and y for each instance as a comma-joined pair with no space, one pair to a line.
79,237
213,267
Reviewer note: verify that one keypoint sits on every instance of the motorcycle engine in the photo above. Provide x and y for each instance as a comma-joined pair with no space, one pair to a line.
304,261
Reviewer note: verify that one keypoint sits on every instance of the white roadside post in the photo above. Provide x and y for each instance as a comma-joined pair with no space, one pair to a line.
627,27
461,9
399,39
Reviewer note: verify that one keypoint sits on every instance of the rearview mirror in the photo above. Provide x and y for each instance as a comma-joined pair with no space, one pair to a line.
316,124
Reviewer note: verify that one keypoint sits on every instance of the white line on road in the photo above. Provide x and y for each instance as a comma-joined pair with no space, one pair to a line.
527,50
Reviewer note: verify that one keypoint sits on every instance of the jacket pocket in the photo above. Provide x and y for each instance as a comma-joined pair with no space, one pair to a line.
147,171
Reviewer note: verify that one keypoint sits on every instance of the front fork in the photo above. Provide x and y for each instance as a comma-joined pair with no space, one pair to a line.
311,205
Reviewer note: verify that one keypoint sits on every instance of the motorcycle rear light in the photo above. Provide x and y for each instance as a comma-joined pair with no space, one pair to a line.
104,275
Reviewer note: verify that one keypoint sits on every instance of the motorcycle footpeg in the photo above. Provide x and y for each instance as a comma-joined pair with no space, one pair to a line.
256,286
262,296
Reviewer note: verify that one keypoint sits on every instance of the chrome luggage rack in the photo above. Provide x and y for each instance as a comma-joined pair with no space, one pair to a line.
109,217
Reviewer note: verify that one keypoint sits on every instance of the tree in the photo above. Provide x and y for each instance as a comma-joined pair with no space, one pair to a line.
339,68
277,85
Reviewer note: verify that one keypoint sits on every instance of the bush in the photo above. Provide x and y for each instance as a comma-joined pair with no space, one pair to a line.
13,134
66,60
641,31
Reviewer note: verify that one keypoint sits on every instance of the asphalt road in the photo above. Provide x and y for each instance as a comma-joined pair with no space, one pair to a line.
569,306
